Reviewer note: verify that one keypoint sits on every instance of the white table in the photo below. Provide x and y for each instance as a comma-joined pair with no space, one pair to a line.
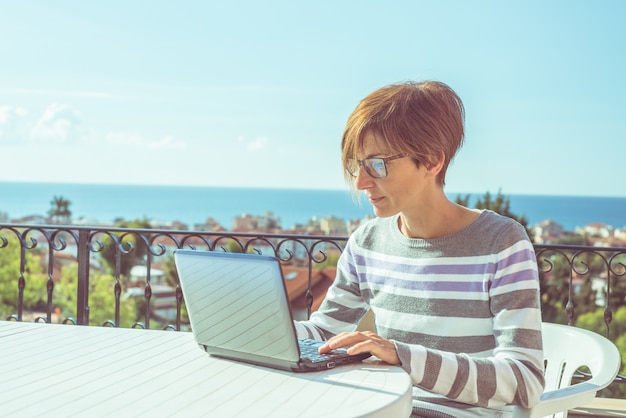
68,370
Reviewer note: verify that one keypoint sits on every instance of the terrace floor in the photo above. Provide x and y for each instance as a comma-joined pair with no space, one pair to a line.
601,407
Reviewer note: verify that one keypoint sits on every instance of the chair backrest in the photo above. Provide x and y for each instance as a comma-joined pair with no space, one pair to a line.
566,349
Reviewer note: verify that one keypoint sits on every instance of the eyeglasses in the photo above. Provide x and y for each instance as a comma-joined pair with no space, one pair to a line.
375,167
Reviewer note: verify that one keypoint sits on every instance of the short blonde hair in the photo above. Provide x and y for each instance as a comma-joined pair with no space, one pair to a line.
423,120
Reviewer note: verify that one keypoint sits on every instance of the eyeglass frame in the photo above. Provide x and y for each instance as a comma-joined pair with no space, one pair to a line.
373,174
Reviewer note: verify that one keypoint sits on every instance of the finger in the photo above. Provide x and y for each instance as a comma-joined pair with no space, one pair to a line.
385,350
345,339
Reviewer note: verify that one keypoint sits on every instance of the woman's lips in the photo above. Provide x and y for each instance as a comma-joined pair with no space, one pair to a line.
373,200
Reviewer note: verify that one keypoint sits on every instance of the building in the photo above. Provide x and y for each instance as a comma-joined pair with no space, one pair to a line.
266,223
209,225
597,229
163,296
547,231
296,284
332,225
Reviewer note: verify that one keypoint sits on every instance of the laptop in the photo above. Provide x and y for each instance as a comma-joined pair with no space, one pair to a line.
238,309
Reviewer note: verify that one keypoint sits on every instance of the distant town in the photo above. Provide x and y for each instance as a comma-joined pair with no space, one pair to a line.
268,222
545,232
597,234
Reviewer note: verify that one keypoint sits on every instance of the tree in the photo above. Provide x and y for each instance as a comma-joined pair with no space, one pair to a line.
134,256
101,298
331,260
59,212
594,321
586,269
35,291
500,204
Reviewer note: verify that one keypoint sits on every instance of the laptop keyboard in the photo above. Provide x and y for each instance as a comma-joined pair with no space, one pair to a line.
308,350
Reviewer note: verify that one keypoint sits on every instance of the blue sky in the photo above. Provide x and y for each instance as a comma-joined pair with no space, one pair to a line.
256,94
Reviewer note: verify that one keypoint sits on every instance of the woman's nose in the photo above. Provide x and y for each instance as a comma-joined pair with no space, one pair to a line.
363,180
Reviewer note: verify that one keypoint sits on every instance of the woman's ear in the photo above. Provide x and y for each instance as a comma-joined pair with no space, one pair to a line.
435,165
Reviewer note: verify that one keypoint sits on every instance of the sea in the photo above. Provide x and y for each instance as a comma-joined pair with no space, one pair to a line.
95,204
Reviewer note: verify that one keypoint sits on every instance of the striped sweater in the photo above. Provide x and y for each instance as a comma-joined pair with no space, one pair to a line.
463,311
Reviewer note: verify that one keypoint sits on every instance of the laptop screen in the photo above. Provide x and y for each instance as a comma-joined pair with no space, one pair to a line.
237,302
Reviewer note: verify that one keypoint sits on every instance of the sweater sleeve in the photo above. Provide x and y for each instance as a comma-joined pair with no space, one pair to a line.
342,308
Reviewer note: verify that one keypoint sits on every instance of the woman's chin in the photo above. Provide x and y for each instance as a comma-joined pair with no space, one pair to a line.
383,213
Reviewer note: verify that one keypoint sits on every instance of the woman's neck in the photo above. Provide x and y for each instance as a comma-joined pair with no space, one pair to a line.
438,221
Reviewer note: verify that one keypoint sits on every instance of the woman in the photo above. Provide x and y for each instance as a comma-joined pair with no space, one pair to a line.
454,291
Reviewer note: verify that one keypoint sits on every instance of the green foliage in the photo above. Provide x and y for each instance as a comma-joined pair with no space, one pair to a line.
500,204
618,283
583,268
129,257
9,274
554,287
463,200
171,278
573,239
101,298
35,292
59,211
232,246
619,391
332,258
101,290
553,312
594,321
169,269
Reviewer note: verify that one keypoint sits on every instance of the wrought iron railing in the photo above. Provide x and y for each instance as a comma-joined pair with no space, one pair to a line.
575,274
148,247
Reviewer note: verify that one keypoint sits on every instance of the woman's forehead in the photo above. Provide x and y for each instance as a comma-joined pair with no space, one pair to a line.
373,144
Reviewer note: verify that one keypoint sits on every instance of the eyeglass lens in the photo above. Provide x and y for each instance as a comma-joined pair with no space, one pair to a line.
375,167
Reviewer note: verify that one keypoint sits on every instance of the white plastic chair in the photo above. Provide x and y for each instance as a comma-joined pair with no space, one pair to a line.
567,348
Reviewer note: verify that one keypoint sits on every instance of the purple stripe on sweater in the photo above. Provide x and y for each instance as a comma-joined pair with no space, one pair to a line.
519,275
430,285
515,277
473,268
520,256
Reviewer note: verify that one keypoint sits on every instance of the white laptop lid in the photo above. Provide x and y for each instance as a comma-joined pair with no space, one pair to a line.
237,305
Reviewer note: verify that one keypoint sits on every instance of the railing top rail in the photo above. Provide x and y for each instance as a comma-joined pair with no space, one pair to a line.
298,235
579,247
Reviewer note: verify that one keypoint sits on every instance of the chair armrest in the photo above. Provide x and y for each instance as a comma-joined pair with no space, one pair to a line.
554,401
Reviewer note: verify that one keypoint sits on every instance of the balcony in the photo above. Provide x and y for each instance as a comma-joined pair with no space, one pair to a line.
126,278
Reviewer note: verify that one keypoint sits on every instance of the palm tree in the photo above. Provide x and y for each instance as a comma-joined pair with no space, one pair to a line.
59,212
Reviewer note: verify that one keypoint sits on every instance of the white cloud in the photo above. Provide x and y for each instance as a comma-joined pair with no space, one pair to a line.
137,141
9,121
167,142
9,113
60,124
125,139
257,144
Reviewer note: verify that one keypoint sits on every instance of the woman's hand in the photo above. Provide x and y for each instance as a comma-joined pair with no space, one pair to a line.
360,342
